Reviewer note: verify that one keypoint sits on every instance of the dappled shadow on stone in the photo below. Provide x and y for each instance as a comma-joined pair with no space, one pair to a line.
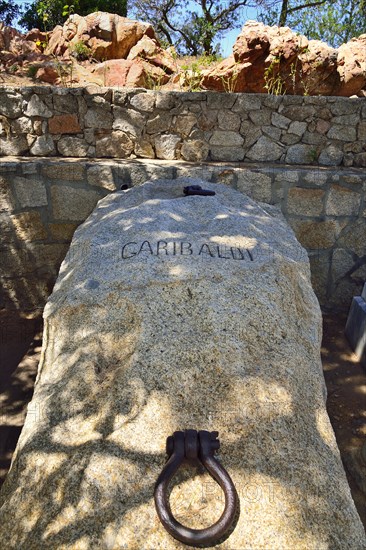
136,350
19,355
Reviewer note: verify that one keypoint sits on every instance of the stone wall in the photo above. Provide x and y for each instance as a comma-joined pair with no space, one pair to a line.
193,126
42,201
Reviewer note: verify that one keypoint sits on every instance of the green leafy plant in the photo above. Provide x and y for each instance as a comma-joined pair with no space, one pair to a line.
152,83
32,70
313,155
68,10
192,76
14,68
80,51
206,60
274,82
229,82
299,81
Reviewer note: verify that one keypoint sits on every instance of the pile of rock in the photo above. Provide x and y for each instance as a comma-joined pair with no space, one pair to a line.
117,51
19,50
277,60
120,52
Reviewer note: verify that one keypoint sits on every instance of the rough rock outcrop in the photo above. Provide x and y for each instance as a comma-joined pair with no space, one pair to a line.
278,60
175,312
107,35
7,35
265,59
352,66
149,49
17,50
130,73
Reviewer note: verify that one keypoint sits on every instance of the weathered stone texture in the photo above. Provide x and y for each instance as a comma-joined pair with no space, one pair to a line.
166,146
195,150
265,149
300,154
122,368
118,144
30,191
331,156
11,104
342,133
73,204
7,200
316,234
71,171
25,187
320,266
64,124
257,186
69,146
229,154
14,146
98,117
254,127
28,226
43,146
101,176
353,238
226,139
144,149
308,202
62,231
342,200
36,107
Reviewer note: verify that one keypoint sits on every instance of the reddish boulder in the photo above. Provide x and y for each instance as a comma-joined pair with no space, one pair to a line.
20,46
148,49
130,73
314,71
227,76
352,66
57,44
108,36
7,34
35,35
143,74
252,43
113,72
276,60
48,74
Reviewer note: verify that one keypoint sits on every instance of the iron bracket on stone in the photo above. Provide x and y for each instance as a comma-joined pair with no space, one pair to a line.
197,447
197,190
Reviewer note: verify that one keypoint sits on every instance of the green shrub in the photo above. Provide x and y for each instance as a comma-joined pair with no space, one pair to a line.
80,51
32,70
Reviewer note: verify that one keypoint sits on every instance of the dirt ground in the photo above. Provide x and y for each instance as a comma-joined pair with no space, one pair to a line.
21,340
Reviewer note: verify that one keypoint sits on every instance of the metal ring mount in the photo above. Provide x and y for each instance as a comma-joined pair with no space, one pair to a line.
197,447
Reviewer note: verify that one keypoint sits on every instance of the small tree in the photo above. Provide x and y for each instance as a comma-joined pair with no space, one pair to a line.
191,25
332,21
55,14
8,11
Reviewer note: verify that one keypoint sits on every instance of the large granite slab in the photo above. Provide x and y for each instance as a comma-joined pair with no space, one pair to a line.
175,312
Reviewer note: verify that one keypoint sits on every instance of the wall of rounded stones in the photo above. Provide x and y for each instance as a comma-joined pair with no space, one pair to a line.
193,126
42,201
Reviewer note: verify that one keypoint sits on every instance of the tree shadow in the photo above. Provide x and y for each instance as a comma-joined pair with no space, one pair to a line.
120,375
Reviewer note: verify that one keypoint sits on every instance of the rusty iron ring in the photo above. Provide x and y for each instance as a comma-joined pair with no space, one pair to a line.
198,447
